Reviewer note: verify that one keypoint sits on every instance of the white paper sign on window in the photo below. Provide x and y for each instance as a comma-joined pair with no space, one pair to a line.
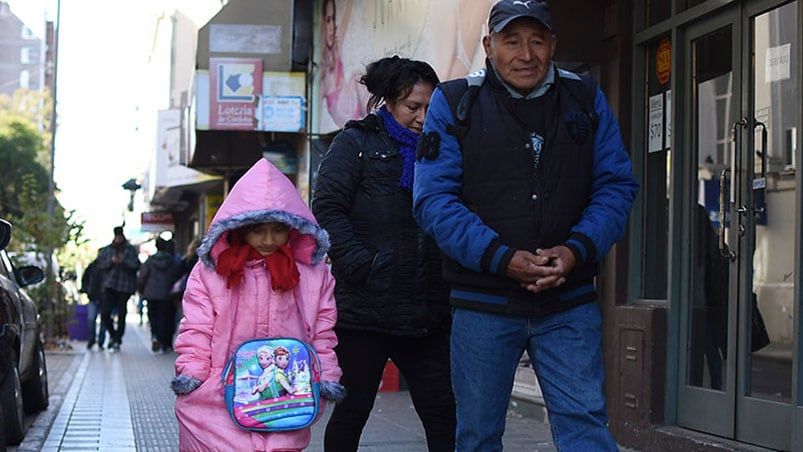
776,65
281,113
656,123
668,119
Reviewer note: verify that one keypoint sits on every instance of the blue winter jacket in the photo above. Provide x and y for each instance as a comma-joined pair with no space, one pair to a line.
518,193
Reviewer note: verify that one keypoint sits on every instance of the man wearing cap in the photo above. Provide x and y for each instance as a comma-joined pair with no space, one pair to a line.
525,194
119,262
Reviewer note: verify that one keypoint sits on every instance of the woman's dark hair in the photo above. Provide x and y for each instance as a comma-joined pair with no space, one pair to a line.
393,78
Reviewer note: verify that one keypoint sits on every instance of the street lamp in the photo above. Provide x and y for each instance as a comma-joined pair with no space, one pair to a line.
132,186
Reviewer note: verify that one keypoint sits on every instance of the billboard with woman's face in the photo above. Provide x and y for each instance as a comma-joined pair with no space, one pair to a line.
352,33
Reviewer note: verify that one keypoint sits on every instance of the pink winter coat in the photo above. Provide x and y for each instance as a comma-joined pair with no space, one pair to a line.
211,329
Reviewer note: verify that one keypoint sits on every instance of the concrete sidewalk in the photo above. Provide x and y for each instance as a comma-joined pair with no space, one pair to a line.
122,402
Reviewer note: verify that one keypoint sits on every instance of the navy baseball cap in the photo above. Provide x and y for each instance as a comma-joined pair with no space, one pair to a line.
506,11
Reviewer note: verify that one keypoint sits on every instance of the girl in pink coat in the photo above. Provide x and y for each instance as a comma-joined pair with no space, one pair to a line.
259,275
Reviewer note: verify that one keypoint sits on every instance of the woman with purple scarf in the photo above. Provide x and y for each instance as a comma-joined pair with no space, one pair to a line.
392,303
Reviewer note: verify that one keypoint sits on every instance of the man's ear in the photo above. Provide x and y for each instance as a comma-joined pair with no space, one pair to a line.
486,44
553,45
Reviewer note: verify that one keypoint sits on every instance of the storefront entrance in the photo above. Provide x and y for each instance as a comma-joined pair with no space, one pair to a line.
739,368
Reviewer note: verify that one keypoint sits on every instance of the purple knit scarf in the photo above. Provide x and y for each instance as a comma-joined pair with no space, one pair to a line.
408,140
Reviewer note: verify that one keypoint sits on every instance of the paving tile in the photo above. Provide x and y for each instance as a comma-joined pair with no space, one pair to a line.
122,402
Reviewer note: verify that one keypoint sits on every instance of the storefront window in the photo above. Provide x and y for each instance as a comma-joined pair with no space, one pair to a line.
709,275
658,133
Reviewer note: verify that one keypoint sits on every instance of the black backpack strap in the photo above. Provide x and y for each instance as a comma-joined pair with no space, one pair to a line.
457,96
584,92
454,91
461,94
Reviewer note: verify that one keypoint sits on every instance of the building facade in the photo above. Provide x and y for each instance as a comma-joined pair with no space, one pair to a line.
709,331
702,299
23,60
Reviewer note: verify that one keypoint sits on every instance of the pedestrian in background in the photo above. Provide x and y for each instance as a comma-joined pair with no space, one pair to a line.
154,281
92,286
187,262
119,262
392,302
262,276
525,197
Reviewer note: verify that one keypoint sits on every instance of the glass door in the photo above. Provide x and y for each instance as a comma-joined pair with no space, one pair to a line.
740,352
707,373
765,220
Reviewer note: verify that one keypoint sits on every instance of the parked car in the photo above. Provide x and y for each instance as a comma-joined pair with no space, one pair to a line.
23,370
66,290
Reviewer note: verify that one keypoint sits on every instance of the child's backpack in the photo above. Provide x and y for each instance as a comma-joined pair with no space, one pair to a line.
268,406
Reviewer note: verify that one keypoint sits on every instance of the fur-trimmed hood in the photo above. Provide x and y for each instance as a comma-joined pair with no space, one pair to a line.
264,194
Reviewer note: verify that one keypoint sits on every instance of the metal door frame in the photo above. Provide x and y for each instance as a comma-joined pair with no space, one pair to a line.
729,413
699,408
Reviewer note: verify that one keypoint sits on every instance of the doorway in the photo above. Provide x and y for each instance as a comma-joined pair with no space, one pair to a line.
739,354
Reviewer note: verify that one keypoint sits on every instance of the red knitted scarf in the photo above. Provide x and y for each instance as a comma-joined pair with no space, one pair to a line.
281,265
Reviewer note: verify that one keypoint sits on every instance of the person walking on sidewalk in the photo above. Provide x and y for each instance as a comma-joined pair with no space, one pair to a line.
262,276
154,281
525,190
187,262
392,302
92,286
119,262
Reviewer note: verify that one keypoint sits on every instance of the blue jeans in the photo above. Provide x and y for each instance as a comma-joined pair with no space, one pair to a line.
565,349
96,333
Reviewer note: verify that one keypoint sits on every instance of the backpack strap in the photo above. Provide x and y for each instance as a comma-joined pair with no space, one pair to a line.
461,94
453,91
584,92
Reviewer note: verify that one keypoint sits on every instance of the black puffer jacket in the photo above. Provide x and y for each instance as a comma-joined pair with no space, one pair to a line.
388,272
92,282
156,277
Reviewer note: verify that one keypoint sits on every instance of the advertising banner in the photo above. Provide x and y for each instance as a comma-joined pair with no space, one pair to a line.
353,33
235,84
157,221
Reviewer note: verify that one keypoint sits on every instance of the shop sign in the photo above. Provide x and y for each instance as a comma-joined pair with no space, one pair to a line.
280,113
663,61
235,84
157,221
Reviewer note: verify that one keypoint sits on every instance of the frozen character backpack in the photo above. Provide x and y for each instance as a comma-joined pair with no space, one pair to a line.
266,411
